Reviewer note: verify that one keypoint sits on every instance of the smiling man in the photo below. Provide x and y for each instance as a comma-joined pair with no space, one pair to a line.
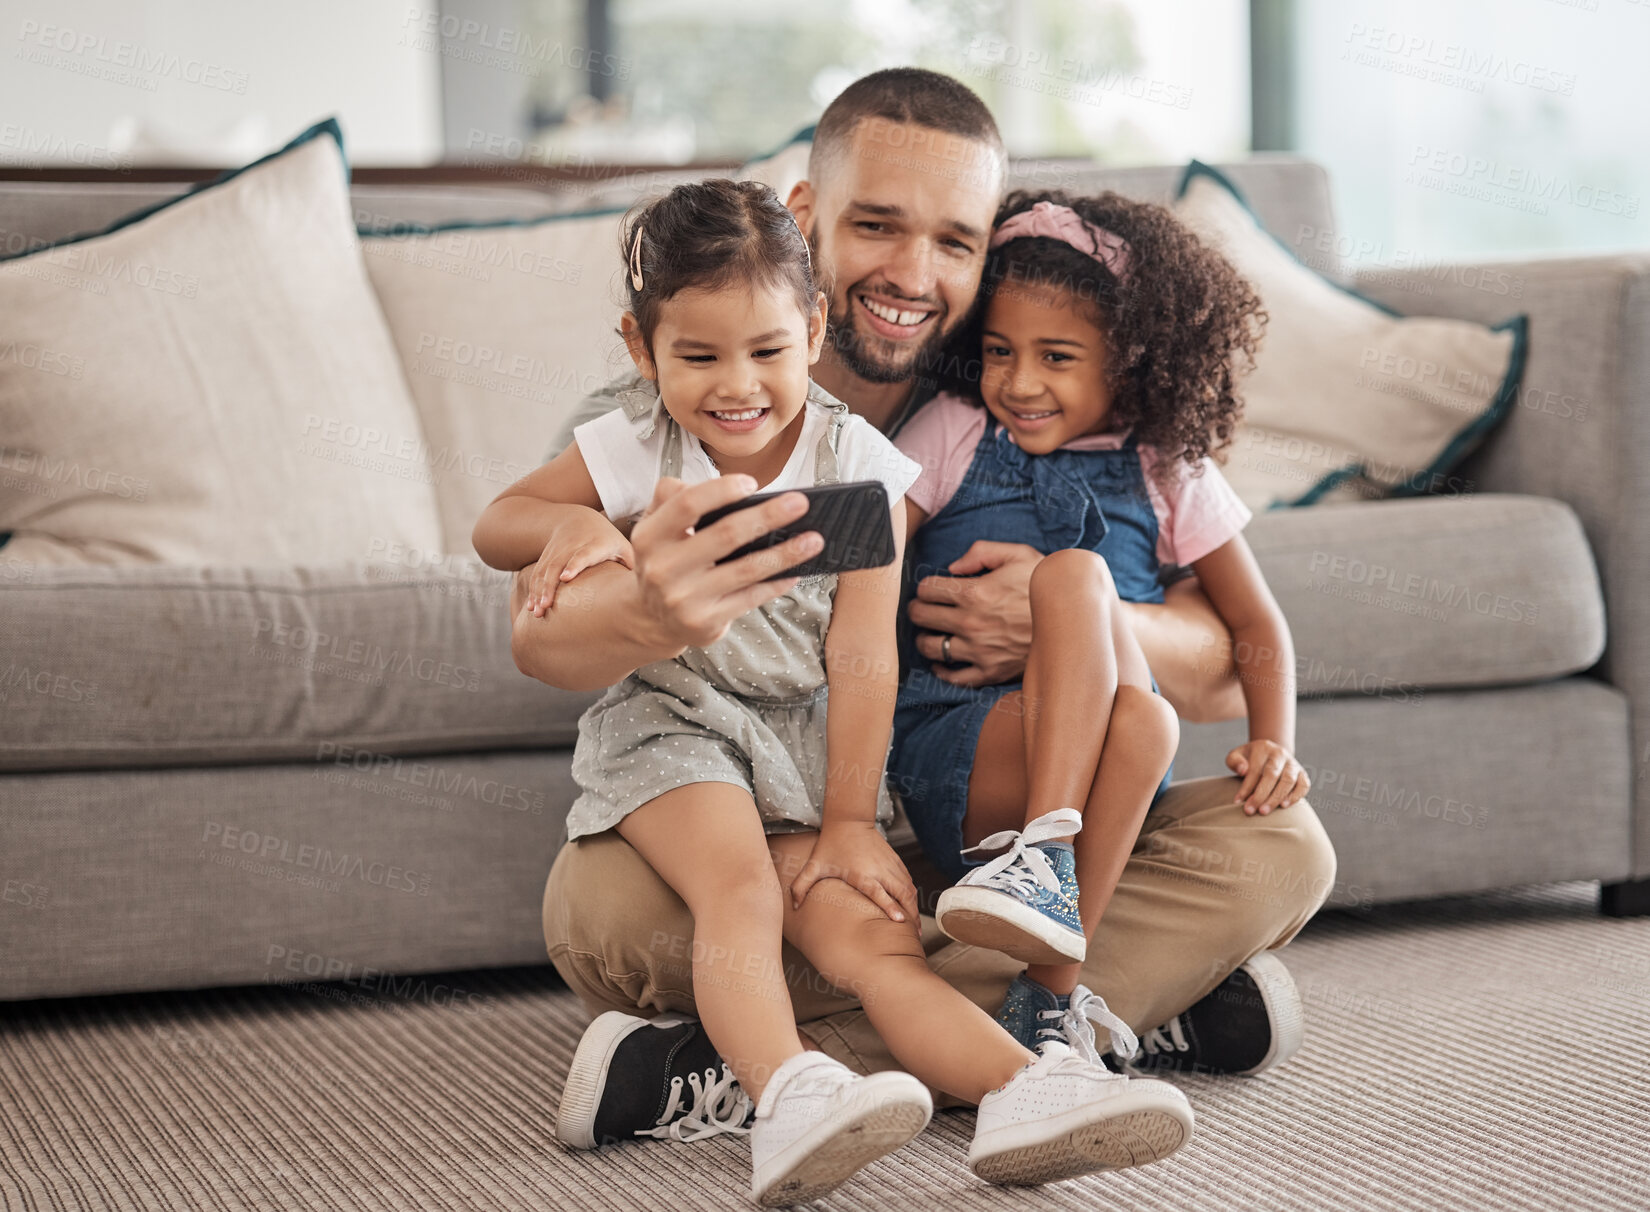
904,178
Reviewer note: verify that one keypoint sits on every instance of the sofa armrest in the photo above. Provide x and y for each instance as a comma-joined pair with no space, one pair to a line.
1579,431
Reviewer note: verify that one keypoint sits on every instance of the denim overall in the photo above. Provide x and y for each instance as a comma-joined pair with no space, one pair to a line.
1091,499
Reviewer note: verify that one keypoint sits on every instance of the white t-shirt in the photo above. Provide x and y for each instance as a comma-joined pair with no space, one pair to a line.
625,466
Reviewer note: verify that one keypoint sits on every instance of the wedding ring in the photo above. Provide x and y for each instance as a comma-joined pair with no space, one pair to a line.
945,650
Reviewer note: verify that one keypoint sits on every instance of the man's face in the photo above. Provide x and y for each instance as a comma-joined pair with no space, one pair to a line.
901,225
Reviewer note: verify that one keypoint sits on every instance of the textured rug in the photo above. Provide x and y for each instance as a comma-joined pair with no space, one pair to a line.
1484,1052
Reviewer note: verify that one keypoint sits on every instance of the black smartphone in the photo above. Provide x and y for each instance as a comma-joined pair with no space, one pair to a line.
852,518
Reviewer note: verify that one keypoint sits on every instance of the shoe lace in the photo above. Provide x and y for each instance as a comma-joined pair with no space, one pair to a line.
1069,1061
719,1105
1170,1037
1022,868
1078,1030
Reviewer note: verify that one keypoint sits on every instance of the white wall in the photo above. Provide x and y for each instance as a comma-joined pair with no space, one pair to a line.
216,81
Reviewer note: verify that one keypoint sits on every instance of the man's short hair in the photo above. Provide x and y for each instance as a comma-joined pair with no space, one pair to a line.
905,95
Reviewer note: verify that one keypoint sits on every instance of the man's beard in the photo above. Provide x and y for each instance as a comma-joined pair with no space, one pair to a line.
877,359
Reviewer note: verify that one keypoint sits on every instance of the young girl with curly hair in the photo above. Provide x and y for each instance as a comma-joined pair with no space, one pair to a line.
1096,379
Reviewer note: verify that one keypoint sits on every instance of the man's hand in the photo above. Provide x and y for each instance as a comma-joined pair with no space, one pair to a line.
988,616
856,853
685,594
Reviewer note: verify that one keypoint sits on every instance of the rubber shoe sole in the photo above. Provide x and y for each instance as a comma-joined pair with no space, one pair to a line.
883,1115
581,1096
982,917
1135,1128
1283,1008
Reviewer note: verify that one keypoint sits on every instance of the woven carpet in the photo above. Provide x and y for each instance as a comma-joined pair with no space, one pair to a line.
1484,1052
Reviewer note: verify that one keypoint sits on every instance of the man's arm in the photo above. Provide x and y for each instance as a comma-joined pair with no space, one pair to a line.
1184,640
610,620
1189,648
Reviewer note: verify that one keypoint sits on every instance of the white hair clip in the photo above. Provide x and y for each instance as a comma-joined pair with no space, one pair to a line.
636,260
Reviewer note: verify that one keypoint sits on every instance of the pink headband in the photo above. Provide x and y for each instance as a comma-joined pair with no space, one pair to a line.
1064,224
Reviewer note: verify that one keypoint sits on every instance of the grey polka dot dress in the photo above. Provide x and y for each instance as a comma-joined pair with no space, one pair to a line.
747,710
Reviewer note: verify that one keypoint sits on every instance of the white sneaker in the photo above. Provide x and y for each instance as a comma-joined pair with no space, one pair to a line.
1062,1116
818,1122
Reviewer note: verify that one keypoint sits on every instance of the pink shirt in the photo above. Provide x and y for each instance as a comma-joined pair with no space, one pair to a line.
1195,514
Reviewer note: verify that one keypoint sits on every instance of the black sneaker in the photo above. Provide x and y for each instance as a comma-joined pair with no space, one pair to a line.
1251,1021
635,1077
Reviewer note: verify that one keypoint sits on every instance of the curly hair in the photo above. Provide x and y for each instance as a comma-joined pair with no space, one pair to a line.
1181,326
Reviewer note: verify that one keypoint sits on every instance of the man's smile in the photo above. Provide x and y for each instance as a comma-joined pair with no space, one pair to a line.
896,319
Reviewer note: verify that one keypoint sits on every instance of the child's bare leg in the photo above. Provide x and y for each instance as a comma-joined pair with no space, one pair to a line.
934,1032
1027,746
1073,672
705,840
1139,747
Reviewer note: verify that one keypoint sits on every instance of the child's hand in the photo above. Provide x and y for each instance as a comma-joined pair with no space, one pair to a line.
1272,778
856,853
581,542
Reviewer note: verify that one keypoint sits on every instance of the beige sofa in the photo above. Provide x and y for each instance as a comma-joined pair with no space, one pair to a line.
189,797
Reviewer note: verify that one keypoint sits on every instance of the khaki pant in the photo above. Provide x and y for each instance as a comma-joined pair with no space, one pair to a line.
1205,888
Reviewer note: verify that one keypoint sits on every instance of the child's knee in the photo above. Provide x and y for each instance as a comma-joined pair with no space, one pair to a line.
857,936
1071,573
739,887
1147,720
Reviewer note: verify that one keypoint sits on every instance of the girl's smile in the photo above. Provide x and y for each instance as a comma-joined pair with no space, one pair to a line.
1044,367
732,368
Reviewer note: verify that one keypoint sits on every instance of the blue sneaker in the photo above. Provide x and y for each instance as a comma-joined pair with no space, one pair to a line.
1034,1014
1023,902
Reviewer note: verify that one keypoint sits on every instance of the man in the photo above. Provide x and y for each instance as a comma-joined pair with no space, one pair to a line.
905,175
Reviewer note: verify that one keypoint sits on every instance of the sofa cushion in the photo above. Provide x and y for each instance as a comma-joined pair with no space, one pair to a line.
502,329
1394,597
409,655
208,382
1348,400
162,666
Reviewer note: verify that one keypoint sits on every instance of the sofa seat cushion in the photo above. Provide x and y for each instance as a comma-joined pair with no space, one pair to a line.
358,663
410,654
1394,597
